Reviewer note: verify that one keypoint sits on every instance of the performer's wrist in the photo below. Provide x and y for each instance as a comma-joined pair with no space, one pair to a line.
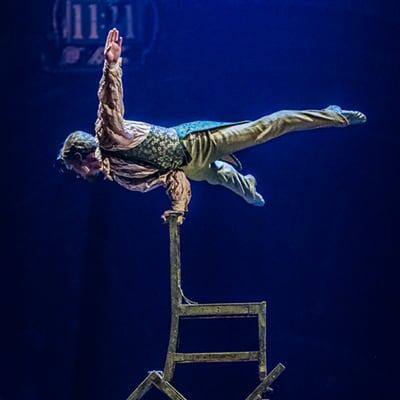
113,64
179,214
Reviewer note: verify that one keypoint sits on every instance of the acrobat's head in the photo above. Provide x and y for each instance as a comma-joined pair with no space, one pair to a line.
78,154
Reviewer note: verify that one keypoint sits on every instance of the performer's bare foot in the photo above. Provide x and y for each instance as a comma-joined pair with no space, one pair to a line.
354,117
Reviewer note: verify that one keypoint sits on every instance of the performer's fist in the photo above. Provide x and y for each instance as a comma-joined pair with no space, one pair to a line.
169,213
113,46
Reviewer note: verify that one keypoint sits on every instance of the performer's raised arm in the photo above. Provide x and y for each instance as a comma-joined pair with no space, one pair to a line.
110,122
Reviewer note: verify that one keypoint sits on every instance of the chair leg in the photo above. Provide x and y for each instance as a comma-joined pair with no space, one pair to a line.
262,338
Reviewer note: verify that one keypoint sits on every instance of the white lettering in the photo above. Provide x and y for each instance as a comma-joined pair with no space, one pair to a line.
97,57
71,55
93,22
129,22
78,21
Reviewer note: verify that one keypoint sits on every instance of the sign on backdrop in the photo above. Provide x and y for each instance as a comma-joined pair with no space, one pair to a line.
80,28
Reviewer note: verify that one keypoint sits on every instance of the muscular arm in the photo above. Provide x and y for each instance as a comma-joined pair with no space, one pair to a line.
179,192
110,115
110,125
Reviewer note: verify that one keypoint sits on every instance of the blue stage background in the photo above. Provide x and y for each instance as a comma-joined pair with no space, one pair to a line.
85,273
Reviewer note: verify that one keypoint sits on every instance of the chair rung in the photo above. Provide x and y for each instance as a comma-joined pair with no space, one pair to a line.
216,357
221,310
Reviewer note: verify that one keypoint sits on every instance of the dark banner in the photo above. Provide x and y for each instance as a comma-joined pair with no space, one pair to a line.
80,28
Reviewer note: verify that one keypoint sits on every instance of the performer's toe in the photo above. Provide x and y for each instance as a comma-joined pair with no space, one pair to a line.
256,199
354,117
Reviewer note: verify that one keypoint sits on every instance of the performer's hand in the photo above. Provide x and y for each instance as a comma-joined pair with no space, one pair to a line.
113,46
169,213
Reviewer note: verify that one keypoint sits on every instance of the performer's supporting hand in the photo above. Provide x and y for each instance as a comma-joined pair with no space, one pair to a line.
169,213
113,46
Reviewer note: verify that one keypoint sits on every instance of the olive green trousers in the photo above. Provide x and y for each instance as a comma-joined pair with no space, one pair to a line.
206,148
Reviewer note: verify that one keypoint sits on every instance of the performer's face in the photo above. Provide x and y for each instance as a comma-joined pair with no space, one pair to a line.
87,167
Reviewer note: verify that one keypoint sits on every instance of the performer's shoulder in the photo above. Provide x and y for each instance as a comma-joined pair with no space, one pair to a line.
141,126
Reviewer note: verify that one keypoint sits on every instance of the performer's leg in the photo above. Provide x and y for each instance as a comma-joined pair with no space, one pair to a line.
238,137
211,145
222,173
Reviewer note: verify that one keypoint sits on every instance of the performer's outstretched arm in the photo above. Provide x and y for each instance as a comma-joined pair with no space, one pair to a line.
110,115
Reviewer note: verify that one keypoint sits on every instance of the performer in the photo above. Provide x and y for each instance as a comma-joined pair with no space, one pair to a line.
142,156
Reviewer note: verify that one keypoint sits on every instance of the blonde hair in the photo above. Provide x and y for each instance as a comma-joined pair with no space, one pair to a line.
76,142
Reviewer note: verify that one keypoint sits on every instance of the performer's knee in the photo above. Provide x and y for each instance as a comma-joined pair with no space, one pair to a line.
271,125
280,116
